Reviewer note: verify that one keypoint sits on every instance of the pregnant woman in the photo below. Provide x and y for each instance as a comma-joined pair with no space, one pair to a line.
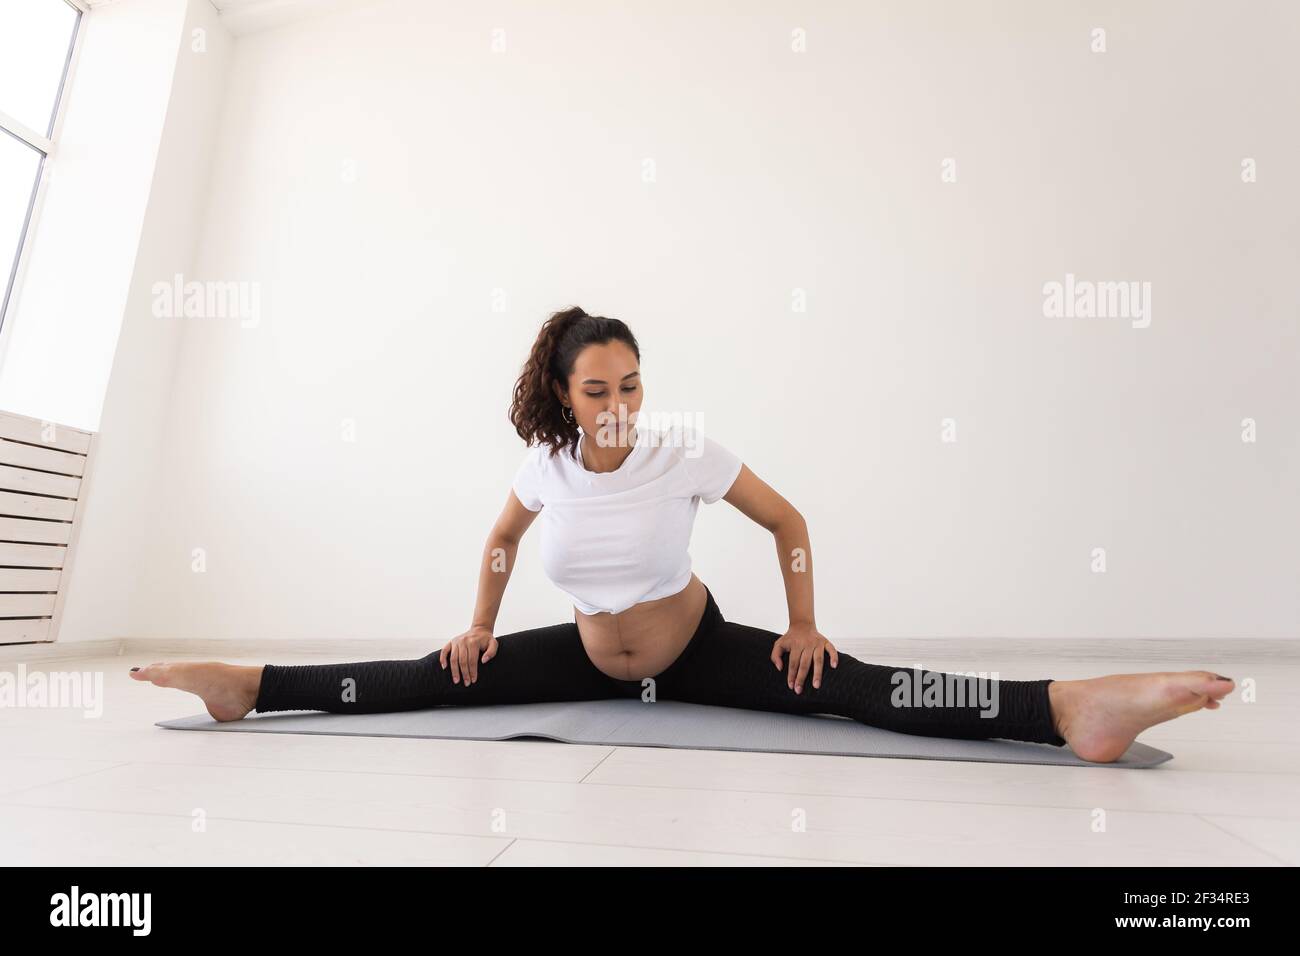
617,504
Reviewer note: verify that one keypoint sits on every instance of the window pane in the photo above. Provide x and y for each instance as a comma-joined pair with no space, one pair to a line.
34,39
19,164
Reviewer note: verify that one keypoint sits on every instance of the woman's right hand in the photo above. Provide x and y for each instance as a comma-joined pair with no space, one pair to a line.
466,651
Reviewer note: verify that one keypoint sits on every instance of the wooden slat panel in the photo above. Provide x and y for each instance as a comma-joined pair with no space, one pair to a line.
19,479
28,579
34,506
26,605
22,428
78,522
20,631
37,532
43,470
32,555
44,459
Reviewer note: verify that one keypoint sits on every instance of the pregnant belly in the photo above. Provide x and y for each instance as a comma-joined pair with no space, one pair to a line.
644,640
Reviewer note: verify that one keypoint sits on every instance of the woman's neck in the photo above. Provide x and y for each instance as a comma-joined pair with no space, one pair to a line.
600,458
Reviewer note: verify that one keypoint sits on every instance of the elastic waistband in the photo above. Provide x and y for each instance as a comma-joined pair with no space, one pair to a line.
711,619
712,614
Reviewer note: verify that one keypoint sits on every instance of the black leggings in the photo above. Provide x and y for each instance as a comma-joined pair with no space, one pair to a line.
725,664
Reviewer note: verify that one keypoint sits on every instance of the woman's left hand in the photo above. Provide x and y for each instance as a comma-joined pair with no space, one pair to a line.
807,648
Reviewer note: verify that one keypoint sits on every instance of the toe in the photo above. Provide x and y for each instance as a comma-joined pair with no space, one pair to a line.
1207,683
1222,687
1187,696
155,672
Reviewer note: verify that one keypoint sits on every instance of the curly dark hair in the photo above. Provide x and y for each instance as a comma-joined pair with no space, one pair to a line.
536,411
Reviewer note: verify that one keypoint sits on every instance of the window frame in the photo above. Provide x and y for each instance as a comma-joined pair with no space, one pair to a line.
47,145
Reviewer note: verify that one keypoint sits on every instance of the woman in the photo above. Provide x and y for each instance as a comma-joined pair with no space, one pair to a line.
617,518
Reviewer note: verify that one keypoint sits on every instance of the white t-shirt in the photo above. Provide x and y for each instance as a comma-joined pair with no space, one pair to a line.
610,540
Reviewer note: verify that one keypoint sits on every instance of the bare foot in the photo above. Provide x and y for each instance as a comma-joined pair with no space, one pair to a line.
229,691
1100,717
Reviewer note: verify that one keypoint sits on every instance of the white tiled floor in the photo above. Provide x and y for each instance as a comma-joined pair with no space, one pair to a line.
119,790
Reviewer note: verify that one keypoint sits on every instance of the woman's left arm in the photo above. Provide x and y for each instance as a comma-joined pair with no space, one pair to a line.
807,647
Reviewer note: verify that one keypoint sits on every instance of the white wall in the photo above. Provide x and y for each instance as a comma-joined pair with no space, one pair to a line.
380,174
107,594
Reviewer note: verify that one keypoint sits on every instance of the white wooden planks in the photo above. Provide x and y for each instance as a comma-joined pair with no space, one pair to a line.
44,469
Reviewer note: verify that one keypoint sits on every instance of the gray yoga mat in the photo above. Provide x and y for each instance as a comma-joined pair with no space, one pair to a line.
621,722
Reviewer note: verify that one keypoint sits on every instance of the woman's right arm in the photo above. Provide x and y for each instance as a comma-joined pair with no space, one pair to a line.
478,645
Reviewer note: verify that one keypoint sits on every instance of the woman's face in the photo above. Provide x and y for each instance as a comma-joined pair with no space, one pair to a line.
605,392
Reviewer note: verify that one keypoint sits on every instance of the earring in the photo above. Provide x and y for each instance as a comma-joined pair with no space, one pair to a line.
569,416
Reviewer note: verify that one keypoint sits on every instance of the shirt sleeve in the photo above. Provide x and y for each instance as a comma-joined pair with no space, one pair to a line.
713,468
528,479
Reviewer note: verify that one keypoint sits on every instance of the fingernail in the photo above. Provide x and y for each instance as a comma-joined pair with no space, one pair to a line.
134,669
1221,677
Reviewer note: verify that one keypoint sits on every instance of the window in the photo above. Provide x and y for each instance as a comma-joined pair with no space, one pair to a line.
36,43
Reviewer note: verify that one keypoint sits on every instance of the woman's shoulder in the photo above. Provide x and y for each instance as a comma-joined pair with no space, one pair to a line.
542,455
